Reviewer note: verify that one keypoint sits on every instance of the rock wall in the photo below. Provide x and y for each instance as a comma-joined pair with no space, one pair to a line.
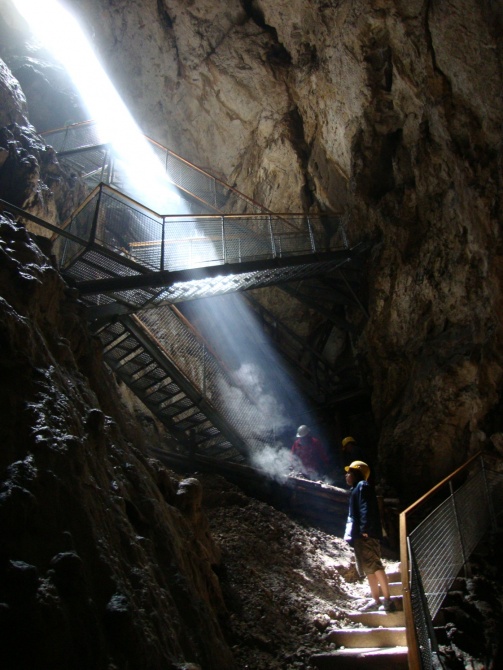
386,110
106,560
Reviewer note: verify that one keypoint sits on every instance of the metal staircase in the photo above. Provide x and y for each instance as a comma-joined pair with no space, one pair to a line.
132,264
84,149
140,360
319,378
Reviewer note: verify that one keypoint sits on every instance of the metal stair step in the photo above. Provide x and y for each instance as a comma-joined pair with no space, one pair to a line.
173,411
140,369
197,422
187,409
163,385
130,356
113,340
155,394
171,399
212,441
202,425
144,377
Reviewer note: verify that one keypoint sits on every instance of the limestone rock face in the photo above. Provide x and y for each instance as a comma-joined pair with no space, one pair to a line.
14,108
104,563
389,111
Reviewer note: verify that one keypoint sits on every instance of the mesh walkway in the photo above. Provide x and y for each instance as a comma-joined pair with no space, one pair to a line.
132,264
122,252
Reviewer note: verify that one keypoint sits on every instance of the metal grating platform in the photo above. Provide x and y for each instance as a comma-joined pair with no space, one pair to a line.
132,264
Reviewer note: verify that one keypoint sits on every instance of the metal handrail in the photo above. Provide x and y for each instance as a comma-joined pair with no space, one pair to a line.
436,549
98,141
67,130
296,231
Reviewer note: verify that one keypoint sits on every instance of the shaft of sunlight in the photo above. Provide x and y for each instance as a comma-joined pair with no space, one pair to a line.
260,380
60,33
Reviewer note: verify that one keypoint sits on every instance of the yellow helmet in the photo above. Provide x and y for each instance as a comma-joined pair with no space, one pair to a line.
347,440
361,466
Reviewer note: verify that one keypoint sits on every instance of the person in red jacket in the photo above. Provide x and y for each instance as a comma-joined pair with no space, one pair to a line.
308,454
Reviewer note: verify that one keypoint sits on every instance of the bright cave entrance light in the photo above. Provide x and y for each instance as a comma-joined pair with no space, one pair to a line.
60,33
229,321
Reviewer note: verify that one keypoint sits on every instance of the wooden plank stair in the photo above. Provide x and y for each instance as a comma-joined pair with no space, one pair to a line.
379,645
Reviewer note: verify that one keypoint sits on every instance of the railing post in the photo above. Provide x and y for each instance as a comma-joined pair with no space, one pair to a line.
94,225
61,260
65,138
107,158
413,656
162,241
224,248
311,235
273,244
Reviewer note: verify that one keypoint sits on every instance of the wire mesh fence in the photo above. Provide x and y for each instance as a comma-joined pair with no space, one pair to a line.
75,136
217,385
441,544
85,147
162,242
122,226
422,620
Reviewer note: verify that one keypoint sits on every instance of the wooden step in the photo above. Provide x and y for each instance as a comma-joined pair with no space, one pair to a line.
395,588
387,658
368,637
396,599
376,619
394,576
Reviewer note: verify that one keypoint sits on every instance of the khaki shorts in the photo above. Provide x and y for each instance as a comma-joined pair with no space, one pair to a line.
368,556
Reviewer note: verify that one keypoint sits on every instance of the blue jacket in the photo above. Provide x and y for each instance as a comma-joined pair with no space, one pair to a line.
363,516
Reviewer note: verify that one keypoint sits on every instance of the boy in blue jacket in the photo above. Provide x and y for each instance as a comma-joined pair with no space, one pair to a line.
364,533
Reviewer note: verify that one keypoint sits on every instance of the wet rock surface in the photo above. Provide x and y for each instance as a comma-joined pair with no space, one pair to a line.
98,566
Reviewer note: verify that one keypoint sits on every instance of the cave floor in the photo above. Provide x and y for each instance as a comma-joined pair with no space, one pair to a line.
286,585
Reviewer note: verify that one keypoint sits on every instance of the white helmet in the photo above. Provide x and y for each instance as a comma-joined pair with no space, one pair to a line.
302,431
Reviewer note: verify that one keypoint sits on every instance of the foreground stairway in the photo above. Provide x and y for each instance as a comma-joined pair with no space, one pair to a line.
379,645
